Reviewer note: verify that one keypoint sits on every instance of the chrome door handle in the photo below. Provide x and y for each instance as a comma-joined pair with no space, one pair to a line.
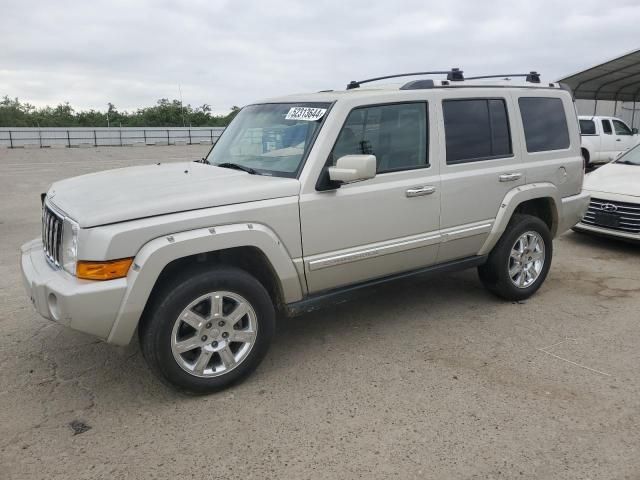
419,191
510,177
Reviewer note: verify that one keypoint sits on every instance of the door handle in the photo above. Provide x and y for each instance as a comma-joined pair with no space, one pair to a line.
510,177
618,140
420,191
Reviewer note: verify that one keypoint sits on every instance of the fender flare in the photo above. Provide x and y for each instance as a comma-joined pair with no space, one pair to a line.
156,254
515,197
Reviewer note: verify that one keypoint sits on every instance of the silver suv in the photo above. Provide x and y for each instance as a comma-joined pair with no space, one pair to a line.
303,199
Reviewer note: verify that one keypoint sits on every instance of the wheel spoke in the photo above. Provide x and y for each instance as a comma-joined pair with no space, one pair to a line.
216,305
188,344
243,336
203,361
515,254
226,355
514,269
240,311
193,319
535,256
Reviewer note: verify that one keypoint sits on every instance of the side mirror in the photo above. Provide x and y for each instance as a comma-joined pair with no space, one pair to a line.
353,168
634,131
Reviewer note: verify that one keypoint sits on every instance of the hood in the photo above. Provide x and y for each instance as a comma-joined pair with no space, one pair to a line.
144,191
615,178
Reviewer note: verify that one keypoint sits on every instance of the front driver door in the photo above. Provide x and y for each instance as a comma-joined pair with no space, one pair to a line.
384,225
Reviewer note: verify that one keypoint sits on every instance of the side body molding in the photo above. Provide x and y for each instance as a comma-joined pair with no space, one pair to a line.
157,253
515,197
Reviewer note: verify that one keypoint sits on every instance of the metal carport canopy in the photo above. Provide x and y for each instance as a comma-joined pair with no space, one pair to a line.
617,80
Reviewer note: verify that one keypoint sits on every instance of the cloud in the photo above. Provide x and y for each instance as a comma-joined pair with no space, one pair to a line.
228,53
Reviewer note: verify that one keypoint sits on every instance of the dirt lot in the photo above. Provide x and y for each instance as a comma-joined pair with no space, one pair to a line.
420,379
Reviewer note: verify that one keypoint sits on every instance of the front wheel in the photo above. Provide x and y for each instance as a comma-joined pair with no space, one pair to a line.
208,329
518,264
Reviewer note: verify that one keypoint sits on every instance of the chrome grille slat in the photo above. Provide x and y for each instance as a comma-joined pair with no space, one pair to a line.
628,215
52,225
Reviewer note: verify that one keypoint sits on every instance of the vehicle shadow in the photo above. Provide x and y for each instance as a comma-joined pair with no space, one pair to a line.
612,245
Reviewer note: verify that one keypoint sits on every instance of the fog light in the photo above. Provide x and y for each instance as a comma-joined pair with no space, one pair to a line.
52,302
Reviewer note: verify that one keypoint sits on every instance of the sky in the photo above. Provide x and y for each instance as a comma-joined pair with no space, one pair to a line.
226,53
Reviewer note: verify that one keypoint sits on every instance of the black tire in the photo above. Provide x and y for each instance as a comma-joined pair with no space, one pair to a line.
494,274
585,158
173,297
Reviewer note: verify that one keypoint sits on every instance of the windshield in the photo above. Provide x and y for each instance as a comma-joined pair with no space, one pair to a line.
271,138
632,157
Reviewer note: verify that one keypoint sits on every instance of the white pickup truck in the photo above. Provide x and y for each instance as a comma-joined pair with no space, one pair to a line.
604,138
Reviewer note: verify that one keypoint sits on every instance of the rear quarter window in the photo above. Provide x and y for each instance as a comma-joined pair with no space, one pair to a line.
587,127
544,123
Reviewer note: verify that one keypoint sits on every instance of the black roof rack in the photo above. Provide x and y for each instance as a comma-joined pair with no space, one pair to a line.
531,77
453,75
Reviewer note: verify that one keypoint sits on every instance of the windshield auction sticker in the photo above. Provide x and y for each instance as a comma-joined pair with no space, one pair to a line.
308,114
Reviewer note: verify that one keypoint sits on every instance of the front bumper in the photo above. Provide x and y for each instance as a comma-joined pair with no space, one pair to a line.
87,306
607,232
573,209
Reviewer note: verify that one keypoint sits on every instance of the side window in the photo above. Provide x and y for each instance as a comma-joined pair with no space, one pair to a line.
606,127
545,123
396,134
587,127
476,129
621,128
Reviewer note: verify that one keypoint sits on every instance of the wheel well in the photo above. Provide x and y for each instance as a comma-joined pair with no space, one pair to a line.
250,259
585,154
544,209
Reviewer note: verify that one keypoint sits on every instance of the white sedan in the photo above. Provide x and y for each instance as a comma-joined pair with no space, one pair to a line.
614,210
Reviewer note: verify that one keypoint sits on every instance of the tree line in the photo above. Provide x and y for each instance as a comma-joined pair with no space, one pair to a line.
165,113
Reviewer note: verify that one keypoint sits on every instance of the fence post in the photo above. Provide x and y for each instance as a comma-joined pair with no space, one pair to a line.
144,132
168,137
68,139
190,142
120,132
95,139
211,132
40,137
10,139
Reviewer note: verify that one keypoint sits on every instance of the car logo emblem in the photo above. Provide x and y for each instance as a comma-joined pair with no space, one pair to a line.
609,207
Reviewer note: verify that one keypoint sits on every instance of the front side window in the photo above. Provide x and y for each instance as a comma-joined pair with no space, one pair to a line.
587,127
606,127
476,129
545,123
271,138
396,134
621,128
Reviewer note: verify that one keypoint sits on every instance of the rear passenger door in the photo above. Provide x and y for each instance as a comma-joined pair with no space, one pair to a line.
478,169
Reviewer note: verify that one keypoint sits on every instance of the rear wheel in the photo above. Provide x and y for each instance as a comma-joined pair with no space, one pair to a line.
518,264
208,330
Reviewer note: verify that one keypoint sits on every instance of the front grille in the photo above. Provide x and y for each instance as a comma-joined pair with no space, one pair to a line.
620,216
52,224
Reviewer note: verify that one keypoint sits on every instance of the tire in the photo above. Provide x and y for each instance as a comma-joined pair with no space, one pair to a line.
585,159
495,273
182,335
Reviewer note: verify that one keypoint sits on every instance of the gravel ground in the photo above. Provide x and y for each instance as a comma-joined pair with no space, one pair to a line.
419,379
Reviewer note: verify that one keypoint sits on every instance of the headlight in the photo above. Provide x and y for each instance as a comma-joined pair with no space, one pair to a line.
70,246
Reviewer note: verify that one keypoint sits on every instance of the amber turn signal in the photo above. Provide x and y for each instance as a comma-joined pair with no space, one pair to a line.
107,270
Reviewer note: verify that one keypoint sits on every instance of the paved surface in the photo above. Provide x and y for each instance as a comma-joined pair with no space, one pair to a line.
422,379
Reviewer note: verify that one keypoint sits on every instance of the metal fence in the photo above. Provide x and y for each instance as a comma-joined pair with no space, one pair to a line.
110,137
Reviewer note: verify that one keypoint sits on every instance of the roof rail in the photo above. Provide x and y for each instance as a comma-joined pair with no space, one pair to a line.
531,77
455,74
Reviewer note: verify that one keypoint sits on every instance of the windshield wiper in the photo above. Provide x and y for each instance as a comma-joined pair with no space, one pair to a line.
237,166
626,162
